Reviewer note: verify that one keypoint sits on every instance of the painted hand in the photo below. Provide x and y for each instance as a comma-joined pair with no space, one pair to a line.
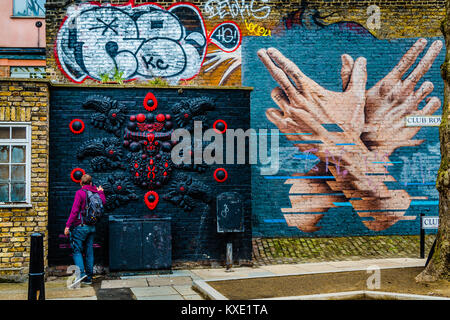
392,99
305,106
343,108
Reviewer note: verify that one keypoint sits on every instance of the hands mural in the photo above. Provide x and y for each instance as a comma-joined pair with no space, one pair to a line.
372,126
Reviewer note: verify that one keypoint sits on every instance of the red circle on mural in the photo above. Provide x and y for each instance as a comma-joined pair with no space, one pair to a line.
72,175
76,131
224,172
151,204
150,102
140,117
220,123
160,117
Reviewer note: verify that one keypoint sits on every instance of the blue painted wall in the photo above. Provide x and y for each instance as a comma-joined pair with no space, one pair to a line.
318,54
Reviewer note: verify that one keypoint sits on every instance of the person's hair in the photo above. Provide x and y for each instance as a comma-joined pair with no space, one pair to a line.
86,179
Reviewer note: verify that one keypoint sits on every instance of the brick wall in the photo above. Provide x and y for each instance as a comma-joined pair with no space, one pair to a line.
398,19
25,101
314,35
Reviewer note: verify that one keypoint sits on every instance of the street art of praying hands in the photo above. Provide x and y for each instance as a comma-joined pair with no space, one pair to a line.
372,121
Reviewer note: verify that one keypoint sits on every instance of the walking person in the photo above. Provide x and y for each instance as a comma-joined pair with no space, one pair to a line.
86,210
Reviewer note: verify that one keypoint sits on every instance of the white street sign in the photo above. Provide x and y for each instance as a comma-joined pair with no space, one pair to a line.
423,121
430,222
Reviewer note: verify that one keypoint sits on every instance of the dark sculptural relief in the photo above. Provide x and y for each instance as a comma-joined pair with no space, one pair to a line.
109,115
148,145
118,191
185,192
190,110
105,152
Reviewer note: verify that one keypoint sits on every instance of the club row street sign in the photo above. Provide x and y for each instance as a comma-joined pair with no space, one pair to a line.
431,222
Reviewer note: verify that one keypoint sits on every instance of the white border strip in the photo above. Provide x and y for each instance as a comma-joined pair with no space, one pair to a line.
313,272
349,295
207,290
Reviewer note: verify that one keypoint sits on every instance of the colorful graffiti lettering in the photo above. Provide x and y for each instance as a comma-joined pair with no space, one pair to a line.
144,41
226,36
236,9
257,30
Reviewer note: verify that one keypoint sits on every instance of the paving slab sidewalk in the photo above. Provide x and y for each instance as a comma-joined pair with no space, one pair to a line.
178,286
302,268
54,290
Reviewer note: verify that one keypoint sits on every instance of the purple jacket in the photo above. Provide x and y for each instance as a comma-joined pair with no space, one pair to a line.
80,203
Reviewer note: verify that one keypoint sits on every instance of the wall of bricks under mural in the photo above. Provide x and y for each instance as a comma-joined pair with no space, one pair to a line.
25,102
122,137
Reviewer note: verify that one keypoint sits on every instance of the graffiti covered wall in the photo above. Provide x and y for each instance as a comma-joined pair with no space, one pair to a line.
357,105
199,42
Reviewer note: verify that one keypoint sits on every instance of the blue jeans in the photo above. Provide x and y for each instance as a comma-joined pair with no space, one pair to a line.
83,237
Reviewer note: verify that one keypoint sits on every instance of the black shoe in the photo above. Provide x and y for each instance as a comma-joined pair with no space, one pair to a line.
86,281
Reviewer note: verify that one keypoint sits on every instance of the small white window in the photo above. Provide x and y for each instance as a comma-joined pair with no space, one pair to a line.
15,164
27,72
29,8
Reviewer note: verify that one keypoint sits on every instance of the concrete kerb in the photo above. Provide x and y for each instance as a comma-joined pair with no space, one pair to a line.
209,292
304,273
351,295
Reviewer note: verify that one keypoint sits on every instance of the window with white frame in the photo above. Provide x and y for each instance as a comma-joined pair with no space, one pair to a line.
28,8
15,164
27,72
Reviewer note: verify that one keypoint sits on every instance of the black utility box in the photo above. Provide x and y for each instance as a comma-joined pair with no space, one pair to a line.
230,216
139,243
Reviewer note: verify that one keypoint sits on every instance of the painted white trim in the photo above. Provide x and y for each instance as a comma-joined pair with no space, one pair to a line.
19,142
349,295
331,270
207,290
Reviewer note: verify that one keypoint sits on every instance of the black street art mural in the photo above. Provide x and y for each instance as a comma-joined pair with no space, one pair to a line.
144,41
123,138
148,145
118,191
109,114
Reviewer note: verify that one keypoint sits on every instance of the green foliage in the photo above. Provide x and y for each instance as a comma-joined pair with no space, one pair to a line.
104,77
118,76
158,81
